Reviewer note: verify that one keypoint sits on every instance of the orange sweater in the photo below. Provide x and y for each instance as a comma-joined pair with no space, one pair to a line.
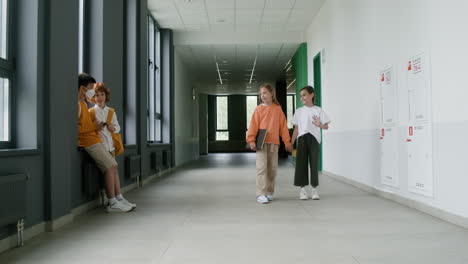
271,118
87,134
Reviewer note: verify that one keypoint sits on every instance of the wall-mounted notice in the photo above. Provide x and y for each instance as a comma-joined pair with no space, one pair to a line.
420,173
389,156
420,179
419,88
388,96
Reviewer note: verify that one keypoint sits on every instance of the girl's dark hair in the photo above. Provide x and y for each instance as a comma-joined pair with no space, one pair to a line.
84,79
309,90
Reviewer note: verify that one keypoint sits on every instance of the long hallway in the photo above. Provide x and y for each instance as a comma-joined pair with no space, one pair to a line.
206,212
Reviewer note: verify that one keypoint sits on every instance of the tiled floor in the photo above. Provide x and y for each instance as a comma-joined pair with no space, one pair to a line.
206,213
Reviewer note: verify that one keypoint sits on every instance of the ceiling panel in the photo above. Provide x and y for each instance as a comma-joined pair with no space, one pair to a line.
196,18
222,28
184,5
254,4
197,27
272,27
309,4
279,3
276,16
221,16
302,17
214,4
248,16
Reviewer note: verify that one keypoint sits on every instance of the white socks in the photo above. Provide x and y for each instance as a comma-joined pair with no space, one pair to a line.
112,201
120,197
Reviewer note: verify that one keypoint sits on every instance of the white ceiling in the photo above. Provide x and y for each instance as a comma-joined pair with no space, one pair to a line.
235,64
235,15
233,33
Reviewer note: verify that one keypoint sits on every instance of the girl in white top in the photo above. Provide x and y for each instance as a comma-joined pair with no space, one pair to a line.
101,110
308,120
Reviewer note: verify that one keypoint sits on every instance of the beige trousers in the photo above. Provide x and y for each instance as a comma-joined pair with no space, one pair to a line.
267,165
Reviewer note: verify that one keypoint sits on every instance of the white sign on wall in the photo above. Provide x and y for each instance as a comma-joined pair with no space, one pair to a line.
388,96
419,141
419,88
389,131
389,156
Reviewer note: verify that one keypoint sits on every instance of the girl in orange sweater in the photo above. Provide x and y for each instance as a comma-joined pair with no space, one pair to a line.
269,116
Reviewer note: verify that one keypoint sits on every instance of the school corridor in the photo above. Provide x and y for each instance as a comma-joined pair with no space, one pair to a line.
111,105
205,212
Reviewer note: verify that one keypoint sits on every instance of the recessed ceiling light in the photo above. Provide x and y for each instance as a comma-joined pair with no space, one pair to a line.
221,20
188,1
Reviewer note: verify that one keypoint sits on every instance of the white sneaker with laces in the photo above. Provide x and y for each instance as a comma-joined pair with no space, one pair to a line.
315,195
269,197
262,199
303,194
118,207
127,203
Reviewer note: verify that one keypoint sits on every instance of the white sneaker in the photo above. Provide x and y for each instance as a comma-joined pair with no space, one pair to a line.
315,195
303,194
127,203
269,197
118,207
262,199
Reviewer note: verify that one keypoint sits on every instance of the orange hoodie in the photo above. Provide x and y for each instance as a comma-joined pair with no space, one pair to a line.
271,118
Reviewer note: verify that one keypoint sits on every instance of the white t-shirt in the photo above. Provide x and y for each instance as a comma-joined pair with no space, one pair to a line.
106,135
303,118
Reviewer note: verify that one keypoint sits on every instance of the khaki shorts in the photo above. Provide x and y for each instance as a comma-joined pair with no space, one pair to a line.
103,158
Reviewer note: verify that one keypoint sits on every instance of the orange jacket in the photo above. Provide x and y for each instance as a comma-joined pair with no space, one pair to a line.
271,118
87,134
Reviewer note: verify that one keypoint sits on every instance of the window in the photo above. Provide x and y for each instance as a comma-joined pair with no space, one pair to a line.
251,103
290,109
154,83
222,132
6,74
81,36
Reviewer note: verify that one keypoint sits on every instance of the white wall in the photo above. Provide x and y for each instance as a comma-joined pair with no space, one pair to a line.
186,114
360,38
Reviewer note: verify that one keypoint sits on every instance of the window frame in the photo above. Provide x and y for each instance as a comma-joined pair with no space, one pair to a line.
293,107
83,36
256,95
216,118
155,91
7,71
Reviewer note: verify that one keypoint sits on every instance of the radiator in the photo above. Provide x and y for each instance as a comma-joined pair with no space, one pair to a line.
13,187
133,166
167,159
156,160
13,210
